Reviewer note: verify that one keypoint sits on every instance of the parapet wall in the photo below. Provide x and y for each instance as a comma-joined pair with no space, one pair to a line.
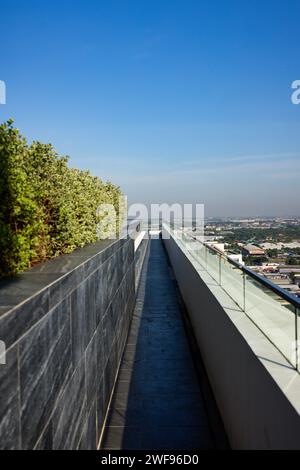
64,325
256,391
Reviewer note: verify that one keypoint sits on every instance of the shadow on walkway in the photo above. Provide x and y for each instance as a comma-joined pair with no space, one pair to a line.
157,403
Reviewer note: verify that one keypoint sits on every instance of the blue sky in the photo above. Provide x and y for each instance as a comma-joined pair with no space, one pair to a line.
175,101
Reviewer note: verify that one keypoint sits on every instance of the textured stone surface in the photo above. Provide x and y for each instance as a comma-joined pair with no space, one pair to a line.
88,440
46,440
24,286
45,366
78,323
100,405
91,369
10,436
66,341
23,317
101,294
71,412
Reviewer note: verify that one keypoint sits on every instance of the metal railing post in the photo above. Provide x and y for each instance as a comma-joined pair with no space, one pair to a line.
244,291
296,339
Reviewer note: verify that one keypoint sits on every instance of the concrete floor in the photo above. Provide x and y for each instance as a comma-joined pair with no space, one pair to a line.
157,402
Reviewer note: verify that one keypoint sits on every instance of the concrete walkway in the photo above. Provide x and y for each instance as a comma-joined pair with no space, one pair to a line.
157,403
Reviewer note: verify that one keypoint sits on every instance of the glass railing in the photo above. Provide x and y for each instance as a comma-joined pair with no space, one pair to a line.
273,310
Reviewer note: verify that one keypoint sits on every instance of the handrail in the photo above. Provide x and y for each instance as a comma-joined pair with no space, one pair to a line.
258,277
289,347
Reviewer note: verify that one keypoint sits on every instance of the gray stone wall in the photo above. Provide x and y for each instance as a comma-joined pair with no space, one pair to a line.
64,324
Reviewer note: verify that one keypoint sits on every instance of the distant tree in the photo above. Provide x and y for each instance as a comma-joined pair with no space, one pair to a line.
291,261
273,253
255,260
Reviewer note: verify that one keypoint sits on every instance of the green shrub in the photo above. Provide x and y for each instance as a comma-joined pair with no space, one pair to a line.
46,208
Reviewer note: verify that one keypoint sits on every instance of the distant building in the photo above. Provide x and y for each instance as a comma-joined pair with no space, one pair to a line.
252,250
280,245
289,269
296,279
218,246
269,267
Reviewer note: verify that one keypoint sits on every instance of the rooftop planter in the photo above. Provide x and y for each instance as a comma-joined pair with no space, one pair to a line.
46,207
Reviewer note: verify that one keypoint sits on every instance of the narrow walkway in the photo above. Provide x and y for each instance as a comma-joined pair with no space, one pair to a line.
157,403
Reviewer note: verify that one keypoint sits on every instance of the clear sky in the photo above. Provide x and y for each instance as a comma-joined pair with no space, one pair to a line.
174,100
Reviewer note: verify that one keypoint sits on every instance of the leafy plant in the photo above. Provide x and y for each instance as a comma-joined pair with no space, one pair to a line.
46,207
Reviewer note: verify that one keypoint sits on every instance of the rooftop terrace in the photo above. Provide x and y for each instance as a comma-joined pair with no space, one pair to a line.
158,401
139,343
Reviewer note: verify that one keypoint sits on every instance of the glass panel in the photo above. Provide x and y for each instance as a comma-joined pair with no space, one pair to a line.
232,281
298,338
273,315
199,252
196,249
213,265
